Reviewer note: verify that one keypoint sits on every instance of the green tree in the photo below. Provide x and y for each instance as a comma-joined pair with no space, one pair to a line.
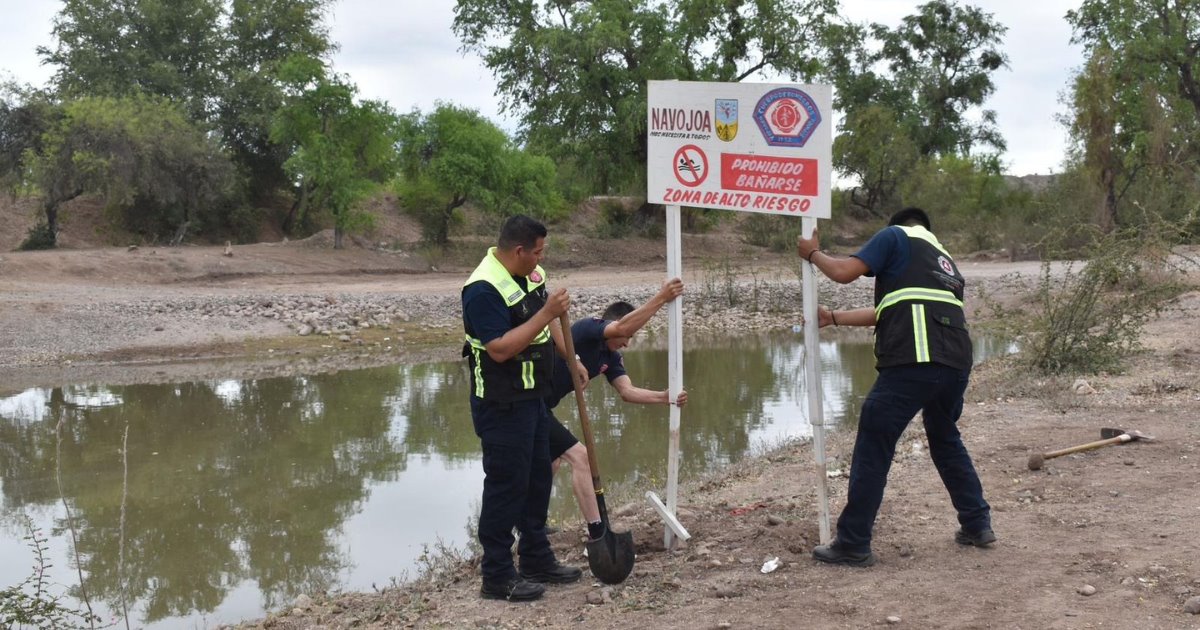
168,49
941,59
261,36
1135,105
340,149
453,156
25,115
151,164
874,148
576,73
907,93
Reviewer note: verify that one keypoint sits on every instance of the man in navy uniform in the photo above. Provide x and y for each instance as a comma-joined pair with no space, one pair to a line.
598,344
510,321
923,356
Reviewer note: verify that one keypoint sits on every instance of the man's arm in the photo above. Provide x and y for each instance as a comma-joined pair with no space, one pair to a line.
628,325
634,394
578,370
517,339
853,317
842,270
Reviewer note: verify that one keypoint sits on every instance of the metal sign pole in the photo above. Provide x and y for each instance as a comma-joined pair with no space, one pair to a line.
674,366
816,417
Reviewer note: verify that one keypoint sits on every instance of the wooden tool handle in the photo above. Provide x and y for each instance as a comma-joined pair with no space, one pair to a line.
588,443
1125,437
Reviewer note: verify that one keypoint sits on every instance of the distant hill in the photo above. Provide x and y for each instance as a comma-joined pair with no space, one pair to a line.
1035,183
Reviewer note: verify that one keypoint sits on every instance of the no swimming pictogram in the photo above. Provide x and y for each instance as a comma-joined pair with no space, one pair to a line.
691,165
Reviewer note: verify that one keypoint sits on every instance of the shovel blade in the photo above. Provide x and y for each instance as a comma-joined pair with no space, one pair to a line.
611,557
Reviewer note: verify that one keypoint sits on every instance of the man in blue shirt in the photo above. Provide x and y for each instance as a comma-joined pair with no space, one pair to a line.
510,321
598,341
923,356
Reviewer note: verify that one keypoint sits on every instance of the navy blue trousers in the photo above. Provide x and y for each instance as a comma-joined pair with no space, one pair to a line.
899,393
516,485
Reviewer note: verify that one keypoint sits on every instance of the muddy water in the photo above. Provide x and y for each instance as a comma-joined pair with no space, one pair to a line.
204,503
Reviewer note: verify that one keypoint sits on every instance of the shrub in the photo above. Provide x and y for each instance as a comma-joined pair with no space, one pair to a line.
31,603
39,236
1090,319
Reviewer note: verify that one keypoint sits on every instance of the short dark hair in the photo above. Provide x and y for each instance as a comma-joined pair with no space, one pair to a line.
520,231
911,216
617,310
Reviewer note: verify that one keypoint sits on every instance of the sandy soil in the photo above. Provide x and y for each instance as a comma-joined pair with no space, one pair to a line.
1119,520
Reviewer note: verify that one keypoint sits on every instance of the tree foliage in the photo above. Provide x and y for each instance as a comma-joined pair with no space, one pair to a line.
907,93
877,150
262,36
162,48
1135,104
941,60
156,169
453,156
339,149
25,114
576,73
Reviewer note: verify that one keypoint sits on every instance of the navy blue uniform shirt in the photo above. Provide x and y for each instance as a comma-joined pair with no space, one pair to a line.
588,335
887,253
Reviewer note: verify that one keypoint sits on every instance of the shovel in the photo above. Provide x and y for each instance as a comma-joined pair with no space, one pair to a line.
611,556
1110,436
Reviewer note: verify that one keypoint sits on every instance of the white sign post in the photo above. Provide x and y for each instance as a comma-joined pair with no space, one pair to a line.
748,147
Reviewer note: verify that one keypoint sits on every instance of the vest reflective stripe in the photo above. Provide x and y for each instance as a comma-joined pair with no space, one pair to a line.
527,374
929,295
925,235
920,333
478,371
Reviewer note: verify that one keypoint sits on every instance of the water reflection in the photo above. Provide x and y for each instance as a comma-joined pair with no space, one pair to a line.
243,494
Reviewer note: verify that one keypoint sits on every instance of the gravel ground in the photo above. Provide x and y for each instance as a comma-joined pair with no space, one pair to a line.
153,334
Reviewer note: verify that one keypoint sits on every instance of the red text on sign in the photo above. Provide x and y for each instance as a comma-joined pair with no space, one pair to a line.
735,200
769,174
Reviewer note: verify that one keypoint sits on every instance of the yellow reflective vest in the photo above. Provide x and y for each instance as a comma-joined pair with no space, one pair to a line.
527,375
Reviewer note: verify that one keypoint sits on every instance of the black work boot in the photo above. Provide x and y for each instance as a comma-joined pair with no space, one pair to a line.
982,538
834,553
513,589
553,574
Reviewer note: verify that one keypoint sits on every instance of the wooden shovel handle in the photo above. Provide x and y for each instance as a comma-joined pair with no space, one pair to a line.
588,442
1125,437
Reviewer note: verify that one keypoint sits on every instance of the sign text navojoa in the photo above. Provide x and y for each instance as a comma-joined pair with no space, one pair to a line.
672,122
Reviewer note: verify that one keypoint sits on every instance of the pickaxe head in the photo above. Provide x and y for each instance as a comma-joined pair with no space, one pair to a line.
1136,436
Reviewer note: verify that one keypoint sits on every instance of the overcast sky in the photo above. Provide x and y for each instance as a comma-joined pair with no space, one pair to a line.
408,57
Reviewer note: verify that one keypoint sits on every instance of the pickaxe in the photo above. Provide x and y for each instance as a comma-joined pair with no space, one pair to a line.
1110,436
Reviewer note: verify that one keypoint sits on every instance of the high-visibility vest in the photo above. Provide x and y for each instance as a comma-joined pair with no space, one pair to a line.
527,375
919,312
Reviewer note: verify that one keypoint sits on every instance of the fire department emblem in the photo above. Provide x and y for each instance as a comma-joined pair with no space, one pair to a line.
786,117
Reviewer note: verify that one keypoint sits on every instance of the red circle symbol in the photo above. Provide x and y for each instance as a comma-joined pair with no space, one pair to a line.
786,115
691,165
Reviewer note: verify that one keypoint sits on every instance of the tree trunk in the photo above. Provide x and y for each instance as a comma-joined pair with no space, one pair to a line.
298,209
1106,218
51,209
337,237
